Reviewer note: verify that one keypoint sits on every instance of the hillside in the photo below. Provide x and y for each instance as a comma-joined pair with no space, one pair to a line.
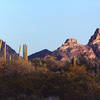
40,54
9,51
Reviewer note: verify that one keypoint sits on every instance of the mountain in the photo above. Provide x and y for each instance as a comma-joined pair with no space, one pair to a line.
71,48
9,51
40,54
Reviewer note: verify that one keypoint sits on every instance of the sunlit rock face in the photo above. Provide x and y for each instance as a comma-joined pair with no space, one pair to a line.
94,42
72,48
68,43
71,41
95,39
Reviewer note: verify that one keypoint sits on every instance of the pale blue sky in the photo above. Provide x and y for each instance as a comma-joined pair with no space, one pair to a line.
47,23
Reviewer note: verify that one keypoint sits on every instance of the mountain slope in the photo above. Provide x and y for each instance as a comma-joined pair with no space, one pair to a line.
9,51
40,54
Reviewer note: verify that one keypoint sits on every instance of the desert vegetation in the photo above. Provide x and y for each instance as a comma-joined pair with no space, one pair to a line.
42,78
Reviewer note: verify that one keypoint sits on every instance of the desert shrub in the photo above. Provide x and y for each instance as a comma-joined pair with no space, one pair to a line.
37,62
51,63
18,66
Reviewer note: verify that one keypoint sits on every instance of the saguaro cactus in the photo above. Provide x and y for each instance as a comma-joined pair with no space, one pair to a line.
5,52
74,61
25,52
0,44
10,58
19,52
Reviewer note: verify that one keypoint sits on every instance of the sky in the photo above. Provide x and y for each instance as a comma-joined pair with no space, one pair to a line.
46,24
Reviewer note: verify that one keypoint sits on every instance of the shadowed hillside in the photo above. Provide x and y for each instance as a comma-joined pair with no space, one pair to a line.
9,51
40,54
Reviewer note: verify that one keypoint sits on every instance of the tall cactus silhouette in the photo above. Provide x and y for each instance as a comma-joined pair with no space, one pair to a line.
0,44
25,52
74,61
19,52
5,51
10,58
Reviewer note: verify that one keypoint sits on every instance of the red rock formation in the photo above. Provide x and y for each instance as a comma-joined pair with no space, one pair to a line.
71,48
94,42
95,39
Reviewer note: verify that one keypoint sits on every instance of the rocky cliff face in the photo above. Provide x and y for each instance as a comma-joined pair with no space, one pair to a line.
95,39
71,48
94,42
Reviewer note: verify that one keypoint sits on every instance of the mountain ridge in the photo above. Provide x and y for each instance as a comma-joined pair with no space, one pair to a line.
72,48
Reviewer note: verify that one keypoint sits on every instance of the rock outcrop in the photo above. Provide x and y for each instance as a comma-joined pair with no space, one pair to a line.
94,42
95,39
71,48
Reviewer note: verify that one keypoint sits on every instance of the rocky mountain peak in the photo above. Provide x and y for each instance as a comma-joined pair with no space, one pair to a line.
71,41
95,39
